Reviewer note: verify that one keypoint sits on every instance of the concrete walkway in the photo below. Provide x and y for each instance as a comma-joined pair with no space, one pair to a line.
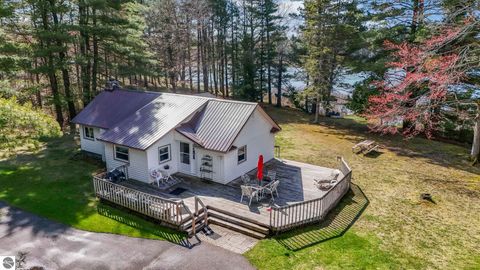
228,239
56,246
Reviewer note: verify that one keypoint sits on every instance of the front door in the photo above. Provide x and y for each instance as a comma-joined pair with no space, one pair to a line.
185,158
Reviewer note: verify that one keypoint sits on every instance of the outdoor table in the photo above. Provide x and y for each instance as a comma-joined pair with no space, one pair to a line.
260,185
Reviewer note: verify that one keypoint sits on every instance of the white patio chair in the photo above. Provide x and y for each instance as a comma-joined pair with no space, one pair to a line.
156,176
250,192
246,179
167,177
272,175
334,175
272,188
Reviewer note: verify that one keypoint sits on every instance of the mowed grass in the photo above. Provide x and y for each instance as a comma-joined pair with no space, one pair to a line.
55,183
397,230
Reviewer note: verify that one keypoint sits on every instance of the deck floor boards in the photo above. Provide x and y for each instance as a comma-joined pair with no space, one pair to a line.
296,185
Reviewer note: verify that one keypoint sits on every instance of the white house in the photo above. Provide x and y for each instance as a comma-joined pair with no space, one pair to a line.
200,136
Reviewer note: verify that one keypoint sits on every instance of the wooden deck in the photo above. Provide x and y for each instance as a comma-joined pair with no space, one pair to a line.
296,185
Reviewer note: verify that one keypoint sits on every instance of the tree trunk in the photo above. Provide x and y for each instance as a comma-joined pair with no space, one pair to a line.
95,54
475,153
64,68
213,60
84,48
52,77
204,59
37,79
269,66
233,45
279,87
199,36
189,55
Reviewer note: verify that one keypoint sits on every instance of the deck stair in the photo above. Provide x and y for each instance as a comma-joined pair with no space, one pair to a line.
199,223
236,223
197,220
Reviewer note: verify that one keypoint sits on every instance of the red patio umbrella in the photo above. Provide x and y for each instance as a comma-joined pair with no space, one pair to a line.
260,168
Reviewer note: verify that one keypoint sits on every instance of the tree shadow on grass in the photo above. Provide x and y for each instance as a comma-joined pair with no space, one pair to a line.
48,183
337,222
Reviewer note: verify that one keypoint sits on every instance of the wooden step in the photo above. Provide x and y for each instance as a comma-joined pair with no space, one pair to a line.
198,227
188,222
188,217
209,207
237,228
238,222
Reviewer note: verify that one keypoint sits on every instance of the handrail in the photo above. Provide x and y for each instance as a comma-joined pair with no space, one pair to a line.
156,207
205,209
277,151
319,198
136,190
191,216
297,214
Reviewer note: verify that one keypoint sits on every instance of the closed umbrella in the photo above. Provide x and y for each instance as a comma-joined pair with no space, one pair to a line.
260,168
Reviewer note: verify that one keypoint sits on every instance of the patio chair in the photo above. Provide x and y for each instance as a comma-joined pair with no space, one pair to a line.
156,176
246,179
271,188
334,175
250,192
167,177
272,175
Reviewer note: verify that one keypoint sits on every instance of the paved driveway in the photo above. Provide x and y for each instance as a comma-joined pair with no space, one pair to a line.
56,246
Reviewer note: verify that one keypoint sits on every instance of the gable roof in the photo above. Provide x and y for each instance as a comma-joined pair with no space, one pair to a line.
138,119
217,125
151,122
110,107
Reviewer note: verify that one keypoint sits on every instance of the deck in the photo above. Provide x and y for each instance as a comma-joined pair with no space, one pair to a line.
296,185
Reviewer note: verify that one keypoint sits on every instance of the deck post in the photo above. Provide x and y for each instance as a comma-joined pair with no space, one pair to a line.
196,206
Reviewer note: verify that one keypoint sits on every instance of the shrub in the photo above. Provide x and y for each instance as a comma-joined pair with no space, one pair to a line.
23,125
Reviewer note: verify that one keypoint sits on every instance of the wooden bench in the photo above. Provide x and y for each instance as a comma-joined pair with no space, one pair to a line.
365,147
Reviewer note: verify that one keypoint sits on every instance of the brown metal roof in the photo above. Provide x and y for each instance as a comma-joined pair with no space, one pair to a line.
109,108
147,125
139,119
217,125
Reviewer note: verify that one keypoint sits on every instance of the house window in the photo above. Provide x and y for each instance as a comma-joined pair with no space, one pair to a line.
164,153
242,154
184,153
121,153
88,133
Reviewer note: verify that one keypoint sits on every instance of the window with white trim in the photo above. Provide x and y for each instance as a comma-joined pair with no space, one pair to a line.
242,154
88,133
121,153
164,153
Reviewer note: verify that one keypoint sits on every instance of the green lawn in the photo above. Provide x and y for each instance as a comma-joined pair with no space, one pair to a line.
397,230
55,182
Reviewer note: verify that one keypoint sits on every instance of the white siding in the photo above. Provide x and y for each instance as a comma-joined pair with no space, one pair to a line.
137,168
152,154
218,164
92,146
255,134
174,138
258,139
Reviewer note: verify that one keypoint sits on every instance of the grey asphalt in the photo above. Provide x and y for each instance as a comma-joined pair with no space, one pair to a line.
55,246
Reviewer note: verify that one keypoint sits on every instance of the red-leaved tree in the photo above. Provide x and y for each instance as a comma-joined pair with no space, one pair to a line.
416,87
416,95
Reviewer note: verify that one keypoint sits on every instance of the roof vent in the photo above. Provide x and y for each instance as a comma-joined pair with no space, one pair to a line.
112,85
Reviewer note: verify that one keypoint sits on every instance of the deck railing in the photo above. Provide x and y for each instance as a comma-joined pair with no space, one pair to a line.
295,215
162,209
